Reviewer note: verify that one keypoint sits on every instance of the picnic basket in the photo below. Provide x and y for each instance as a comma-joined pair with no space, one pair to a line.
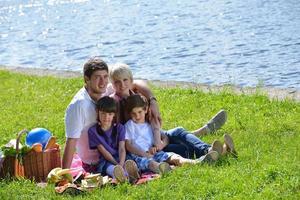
33,165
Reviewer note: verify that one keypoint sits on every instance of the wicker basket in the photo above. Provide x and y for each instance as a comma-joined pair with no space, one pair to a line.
34,165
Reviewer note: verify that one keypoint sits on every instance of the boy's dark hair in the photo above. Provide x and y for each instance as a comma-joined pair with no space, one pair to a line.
134,101
107,104
92,65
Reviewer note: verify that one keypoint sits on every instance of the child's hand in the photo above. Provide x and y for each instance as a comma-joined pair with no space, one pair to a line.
148,154
122,164
152,150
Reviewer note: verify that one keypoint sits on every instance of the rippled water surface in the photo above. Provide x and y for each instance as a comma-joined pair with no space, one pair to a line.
216,42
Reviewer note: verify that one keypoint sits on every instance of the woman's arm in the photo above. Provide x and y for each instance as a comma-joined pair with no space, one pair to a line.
122,153
141,86
106,154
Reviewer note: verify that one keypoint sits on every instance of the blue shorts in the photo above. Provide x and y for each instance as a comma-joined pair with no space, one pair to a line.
143,162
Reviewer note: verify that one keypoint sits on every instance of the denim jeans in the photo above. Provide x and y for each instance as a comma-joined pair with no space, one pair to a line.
185,144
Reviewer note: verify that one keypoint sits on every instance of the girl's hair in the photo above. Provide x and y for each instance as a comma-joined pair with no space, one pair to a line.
134,101
107,104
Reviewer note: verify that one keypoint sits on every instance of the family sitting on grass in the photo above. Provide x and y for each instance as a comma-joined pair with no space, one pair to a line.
104,121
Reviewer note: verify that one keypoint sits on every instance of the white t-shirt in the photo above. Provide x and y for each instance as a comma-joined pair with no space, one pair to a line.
79,116
140,134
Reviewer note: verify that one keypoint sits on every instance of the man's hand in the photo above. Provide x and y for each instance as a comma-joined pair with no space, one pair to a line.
159,145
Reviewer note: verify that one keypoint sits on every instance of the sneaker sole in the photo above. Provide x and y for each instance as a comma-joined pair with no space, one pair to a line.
119,174
230,145
222,114
210,157
164,168
217,146
132,170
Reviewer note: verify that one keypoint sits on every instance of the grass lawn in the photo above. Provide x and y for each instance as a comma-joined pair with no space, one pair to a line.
266,134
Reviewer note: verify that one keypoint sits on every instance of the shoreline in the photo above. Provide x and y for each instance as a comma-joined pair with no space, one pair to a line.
271,92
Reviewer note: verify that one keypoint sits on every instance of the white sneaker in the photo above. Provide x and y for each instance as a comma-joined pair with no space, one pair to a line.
210,157
217,121
119,174
164,168
132,170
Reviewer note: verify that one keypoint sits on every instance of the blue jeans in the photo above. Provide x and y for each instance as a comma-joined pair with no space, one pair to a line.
185,144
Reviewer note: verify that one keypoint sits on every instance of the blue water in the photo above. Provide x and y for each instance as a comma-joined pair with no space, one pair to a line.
246,43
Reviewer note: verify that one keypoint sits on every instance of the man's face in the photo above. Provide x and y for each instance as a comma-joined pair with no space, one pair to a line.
122,86
98,82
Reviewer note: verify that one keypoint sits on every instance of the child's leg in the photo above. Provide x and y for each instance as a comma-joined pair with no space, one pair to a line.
177,160
215,123
110,170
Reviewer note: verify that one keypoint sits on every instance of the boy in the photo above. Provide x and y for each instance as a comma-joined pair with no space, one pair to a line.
109,138
139,140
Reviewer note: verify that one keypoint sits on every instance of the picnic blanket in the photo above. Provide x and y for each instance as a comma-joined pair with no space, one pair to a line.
77,168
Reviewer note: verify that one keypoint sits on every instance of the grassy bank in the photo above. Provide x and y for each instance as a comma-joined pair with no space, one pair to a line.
266,134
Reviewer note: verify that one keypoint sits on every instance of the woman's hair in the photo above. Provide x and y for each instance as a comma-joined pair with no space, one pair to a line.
107,104
135,101
120,71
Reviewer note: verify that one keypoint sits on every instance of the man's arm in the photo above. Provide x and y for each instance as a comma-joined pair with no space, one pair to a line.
158,143
69,151
165,140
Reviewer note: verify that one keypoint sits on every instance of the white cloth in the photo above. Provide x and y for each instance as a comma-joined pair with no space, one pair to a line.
79,116
140,134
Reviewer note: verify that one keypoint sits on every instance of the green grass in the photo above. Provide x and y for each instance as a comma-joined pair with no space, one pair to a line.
266,134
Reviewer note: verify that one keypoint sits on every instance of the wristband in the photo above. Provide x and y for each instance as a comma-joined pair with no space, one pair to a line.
152,98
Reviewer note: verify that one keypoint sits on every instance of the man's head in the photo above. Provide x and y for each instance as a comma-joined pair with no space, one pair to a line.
92,65
121,78
95,72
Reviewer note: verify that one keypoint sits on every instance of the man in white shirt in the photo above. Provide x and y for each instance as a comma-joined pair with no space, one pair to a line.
81,112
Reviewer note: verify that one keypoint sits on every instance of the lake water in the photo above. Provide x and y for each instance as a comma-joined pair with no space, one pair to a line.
246,43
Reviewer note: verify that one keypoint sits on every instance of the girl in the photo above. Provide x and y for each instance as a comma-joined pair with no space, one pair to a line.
109,139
